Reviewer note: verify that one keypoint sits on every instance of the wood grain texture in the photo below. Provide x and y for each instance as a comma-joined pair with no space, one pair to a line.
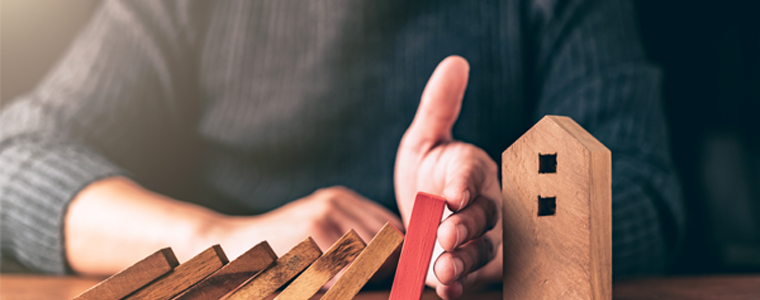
366,264
26,286
340,254
133,277
183,276
701,287
724,286
567,255
232,275
418,247
279,272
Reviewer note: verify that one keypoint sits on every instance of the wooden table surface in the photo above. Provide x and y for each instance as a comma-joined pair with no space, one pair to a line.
698,287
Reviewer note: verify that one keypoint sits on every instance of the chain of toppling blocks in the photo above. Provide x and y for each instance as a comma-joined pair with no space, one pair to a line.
553,253
258,272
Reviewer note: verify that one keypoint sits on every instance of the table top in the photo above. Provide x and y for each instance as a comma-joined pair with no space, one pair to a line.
694,287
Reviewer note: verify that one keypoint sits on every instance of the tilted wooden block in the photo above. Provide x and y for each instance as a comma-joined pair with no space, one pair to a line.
366,264
340,254
232,275
183,276
134,277
279,272
418,247
556,189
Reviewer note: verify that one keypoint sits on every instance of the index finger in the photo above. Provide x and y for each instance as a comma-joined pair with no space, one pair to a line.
466,175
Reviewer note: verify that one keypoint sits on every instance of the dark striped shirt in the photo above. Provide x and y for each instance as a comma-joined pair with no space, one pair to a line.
243,106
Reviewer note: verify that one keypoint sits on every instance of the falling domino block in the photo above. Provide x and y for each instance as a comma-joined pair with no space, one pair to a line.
557,211
232,275
366,264
183,276
418,247
279,272
132,278
324,268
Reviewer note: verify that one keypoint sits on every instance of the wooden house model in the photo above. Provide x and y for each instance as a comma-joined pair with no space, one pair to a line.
556,193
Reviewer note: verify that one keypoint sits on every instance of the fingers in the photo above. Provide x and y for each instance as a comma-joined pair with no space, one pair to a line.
346,219
459,171
440,104
456,289
452,291
378,215
343,209
374,214
466,174
455,265
468,224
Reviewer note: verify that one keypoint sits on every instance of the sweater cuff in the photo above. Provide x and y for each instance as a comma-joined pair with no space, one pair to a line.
37,183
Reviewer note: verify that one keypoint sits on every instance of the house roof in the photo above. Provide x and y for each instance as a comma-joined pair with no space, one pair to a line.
567,124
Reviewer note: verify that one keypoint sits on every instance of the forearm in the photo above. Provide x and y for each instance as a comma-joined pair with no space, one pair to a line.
114,222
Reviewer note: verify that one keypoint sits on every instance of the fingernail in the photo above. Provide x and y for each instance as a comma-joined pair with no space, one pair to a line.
465,197
461,234
458,266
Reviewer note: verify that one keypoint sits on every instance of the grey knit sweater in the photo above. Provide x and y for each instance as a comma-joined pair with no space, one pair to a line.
243,106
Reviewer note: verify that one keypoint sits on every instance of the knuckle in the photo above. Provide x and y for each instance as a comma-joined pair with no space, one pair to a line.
468,149
329,204
340,189
317,221
332,190
324,207
320,212
319,193
329,197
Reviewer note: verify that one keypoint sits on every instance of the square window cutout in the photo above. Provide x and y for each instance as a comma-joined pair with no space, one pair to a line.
547,206
547,163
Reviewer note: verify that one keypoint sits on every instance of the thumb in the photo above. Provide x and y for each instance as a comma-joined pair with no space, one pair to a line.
440,104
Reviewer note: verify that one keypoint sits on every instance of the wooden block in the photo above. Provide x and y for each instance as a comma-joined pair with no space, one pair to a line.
366,264
134,277
232,275
418,247
340,254
556,190
280,272
183,276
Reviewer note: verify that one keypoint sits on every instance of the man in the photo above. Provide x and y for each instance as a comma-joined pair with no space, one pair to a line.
186,124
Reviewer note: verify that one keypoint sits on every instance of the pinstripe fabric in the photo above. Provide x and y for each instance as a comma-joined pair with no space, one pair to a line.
243,106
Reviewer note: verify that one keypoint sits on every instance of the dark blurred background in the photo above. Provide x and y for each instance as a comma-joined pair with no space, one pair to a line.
710,55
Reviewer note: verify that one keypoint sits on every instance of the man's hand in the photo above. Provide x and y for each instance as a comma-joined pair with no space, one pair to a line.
325,215
430,160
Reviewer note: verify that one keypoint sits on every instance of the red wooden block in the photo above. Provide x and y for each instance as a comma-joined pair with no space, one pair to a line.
418,247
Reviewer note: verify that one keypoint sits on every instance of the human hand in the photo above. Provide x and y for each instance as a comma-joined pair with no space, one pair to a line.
430,160
325,215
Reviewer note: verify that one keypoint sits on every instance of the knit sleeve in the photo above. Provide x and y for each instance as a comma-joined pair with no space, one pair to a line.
591,66
109,101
